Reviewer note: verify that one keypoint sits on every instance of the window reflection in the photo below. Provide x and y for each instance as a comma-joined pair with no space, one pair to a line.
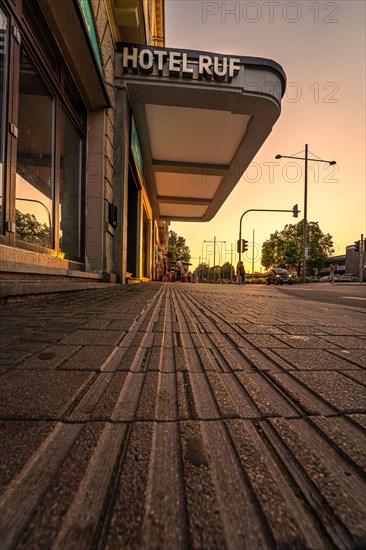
70,188
34,178
3,66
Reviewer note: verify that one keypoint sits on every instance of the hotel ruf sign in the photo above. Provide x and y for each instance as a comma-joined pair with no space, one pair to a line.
174,63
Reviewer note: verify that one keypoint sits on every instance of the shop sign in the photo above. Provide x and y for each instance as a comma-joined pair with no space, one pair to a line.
177,64
89,25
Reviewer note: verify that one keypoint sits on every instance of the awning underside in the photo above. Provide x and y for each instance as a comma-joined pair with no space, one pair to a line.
197,138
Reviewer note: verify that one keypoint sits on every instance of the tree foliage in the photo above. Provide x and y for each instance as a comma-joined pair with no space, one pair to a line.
177,248
284,248
227,270
29,229
205,272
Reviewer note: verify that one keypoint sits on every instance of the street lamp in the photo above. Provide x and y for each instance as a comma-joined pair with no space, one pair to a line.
306,158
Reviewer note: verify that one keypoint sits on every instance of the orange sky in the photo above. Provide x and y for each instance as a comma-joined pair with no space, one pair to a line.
320,46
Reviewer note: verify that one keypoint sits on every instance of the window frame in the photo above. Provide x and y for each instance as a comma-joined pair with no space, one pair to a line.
5,106
55,81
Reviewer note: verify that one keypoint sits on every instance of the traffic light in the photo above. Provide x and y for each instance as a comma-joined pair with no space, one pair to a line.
295,210
242,245
356,246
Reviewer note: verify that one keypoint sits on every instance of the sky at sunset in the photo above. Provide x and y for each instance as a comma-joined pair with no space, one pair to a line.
321,47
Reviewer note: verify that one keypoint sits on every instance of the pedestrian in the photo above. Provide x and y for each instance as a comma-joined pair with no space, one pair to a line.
165,272
178,270
240,273
332,271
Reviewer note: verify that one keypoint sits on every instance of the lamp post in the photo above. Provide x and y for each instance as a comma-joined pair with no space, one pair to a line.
305,229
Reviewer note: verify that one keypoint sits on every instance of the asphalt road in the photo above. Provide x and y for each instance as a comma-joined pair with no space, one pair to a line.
350,294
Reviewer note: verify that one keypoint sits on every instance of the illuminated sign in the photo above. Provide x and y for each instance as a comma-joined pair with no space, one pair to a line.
160,62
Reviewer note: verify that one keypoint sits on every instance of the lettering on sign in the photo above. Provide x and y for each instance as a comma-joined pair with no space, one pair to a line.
177,64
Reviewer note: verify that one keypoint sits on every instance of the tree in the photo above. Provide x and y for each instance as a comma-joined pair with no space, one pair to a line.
227,270
177,248
284,248
202,271
29,229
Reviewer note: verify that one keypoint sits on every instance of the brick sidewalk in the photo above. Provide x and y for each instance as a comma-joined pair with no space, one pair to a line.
182,416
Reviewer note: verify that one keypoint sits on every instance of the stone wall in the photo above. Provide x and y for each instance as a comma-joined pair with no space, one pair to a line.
106,44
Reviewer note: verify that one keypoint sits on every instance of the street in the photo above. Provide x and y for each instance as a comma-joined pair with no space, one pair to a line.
171,416
353,294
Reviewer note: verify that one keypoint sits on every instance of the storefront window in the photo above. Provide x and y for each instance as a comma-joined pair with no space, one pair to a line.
3,81
70,188
35,158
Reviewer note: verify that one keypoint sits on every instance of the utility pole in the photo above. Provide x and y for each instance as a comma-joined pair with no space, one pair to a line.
231,262
362,261
214,273
305,229
253,255
215,242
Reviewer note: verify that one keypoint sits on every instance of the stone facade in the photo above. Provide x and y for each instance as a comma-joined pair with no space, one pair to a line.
106,44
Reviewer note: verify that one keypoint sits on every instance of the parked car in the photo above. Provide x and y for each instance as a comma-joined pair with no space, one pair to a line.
349,278
278,276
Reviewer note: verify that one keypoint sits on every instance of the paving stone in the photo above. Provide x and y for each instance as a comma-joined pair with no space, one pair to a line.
347,342
306,399
87,358
18,441
39,394
103,409
263,329
49,358
341,392
265,396
232,399
314,359
146,408
357,375
91,337
267,341
346,436
126,518
290,524
183,416
357,357
342,488
184,396
11,358
304,341
204,525
52,507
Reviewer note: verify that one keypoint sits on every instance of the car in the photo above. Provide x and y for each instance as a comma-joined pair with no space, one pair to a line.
278,276
349,278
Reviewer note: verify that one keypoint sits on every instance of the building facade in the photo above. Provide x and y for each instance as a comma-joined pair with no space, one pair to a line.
106,136
60,205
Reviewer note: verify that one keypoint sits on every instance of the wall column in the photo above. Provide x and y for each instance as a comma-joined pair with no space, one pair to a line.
94,219
120,181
